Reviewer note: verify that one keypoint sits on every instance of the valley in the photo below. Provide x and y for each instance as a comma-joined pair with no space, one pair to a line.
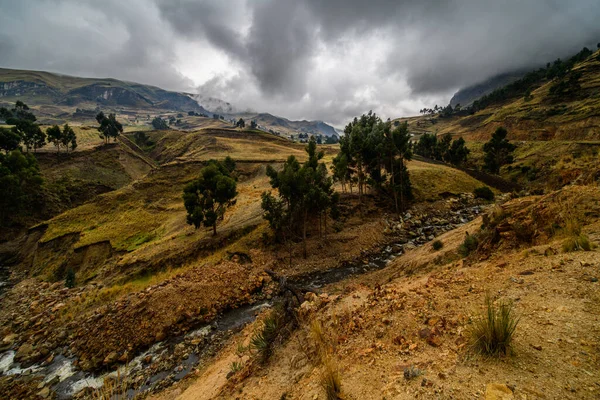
354,270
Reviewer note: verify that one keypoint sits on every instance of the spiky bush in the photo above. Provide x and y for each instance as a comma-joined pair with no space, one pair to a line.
263,340
437,245
492,332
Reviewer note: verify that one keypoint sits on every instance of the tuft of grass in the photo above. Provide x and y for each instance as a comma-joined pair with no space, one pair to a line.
331,381
492,332
484,192
319,340
112,389
469,245
524,232
235,367
263,340
437,245
580,242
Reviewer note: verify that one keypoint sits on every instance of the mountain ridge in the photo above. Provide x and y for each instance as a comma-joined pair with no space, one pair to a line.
59,93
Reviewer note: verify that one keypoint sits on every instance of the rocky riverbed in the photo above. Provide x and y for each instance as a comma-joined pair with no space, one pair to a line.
54,372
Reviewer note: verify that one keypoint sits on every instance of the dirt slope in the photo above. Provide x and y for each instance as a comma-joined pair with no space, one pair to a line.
413,317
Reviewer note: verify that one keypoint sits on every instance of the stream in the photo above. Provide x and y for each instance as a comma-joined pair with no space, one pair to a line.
172,359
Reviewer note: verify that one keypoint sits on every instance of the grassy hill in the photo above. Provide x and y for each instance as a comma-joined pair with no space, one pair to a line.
38,88
545,116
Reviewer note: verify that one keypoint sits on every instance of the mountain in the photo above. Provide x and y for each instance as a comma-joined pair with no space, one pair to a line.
468,95
37,88
55,96
286,126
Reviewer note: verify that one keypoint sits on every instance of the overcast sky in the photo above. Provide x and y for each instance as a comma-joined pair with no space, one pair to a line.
312,59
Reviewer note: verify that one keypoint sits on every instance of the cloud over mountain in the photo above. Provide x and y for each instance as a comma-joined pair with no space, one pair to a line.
297,58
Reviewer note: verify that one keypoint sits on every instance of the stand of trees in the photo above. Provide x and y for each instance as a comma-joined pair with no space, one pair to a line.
24,126
305,193
206,199
372,153
20,185
65,137
160,124
442,148
241,123
109,126
498,151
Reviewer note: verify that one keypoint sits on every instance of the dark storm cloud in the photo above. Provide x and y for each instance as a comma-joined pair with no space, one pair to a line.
300,58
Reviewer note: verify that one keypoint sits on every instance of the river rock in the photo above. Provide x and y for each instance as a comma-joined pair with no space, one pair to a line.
498,391
44,393
25,351
111,358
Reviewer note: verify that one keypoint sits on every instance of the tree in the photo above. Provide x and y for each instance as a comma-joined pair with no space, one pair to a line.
20,185
24,125
206,199
397,150
159,124
69,138
427,145
458,152
33,137
19,113
9,139
375,155
241,123
109,126
498,151
304,192
443,146
253,124
55,136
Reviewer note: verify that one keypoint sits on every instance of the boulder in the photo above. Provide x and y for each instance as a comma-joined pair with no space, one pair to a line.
498,391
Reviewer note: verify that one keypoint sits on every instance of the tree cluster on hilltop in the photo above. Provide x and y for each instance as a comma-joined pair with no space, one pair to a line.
373,153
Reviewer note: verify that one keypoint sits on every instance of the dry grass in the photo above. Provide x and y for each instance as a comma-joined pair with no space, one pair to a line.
331,381
431,180
112,389
492,331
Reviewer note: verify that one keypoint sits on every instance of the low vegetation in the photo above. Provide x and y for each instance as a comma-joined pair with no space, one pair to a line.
469,245
492,331
263,340
437,245
484,192
331,381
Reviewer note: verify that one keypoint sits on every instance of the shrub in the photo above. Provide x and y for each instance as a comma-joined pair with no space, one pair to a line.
492,332
523,232
70,278
437,245
263,340
484,192
580,242
330,381
469,245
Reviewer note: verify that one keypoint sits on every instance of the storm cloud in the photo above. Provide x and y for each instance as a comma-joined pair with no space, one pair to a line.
312,59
